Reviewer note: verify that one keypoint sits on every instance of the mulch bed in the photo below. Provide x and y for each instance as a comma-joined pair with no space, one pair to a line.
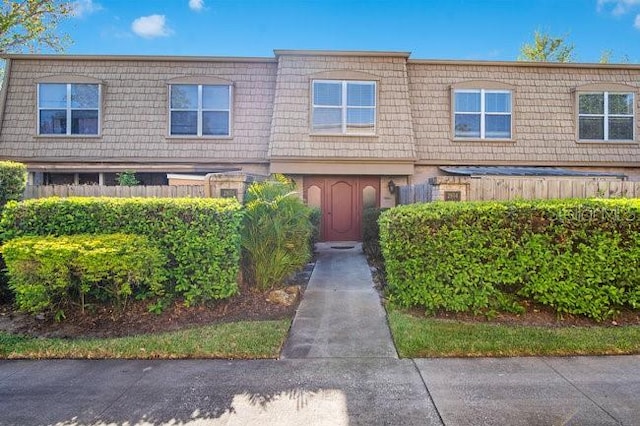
249,304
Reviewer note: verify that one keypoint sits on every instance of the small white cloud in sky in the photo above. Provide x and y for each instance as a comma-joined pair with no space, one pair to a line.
151,26
81,8
620,7
196,5
637,22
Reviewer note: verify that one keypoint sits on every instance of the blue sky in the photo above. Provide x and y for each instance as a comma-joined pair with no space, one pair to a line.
444,29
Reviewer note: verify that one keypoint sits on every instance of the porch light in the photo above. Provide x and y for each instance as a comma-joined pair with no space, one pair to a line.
392,186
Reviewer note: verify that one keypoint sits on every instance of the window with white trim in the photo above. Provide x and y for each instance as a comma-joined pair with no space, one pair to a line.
482,114
69,109
606,116
200,110
344,107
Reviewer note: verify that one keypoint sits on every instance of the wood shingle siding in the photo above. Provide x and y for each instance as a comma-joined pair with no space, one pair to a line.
291,134
135,112
544,117
272,110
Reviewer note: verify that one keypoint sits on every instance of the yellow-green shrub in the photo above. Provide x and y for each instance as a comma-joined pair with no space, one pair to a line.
50,274
577,256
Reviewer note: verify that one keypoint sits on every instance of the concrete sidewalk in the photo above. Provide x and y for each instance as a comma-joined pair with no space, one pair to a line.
340,314
348,391
339,367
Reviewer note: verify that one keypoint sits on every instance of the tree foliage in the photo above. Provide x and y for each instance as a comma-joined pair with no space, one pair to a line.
608,57
29,25
546,48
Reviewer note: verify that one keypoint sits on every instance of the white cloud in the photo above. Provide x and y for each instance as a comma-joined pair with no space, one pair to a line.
637,22
151,26
81,8
196,5
619,7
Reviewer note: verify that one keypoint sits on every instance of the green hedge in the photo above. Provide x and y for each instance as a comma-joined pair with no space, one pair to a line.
577,256
13,179
371,235
199,237
51,274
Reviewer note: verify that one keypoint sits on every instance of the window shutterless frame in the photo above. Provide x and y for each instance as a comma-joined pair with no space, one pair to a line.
344,108
69,109
606,116
200,111
482,113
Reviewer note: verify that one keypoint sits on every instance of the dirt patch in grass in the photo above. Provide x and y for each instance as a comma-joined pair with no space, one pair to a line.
249,304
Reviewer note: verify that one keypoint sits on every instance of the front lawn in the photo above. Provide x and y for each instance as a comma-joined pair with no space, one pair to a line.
420,337
236,340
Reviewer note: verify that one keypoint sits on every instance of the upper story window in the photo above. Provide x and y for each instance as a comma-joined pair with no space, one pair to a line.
344,107
606,116
482,114
200,109
69,109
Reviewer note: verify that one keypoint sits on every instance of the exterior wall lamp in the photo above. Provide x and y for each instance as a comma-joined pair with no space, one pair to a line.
392,186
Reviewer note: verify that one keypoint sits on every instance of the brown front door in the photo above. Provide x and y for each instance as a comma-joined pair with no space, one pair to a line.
341,201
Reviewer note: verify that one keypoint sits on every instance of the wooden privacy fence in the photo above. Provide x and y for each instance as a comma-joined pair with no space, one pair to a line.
170,191
454,188
528,189
419,193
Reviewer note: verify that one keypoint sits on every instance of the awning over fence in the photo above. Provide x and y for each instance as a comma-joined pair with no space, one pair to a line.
524,171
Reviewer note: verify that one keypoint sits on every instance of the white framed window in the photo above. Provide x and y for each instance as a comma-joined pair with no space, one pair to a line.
606,116
69,109
343,107
200,110
482,114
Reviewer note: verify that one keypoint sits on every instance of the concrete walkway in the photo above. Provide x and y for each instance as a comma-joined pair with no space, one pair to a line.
338,368
340,315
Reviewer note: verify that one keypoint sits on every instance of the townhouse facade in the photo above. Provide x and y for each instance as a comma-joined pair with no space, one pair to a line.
346,126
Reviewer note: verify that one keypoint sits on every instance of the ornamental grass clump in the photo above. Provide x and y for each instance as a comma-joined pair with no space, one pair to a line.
276,233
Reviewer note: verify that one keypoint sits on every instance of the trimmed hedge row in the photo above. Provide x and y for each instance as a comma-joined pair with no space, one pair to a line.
51,274
13,179
577,256
371,235
199,237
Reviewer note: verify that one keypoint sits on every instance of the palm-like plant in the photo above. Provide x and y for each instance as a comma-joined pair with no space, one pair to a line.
276,232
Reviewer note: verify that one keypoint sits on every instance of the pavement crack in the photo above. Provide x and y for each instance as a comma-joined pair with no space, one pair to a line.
426,388
580,391
124,392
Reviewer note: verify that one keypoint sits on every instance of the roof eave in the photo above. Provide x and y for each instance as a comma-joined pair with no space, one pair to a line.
352,53
156,58
523,64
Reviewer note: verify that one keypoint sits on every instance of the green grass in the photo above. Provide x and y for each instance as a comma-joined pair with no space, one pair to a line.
239,340
428,337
